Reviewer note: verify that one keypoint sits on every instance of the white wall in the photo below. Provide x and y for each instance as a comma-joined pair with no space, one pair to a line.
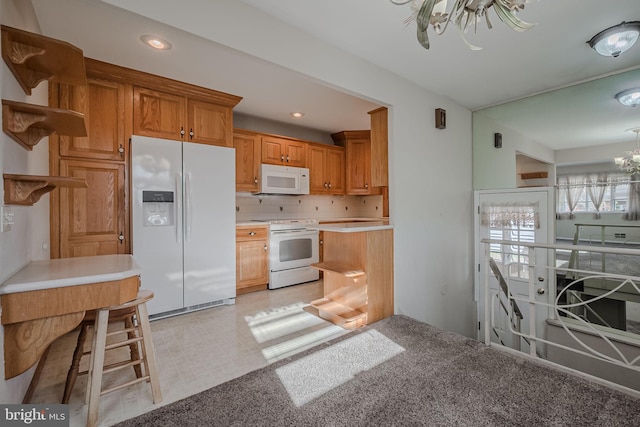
593,154
495,168
31,229
258,124
430,169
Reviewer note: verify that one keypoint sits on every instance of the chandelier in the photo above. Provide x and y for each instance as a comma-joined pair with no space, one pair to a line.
630,162
464,13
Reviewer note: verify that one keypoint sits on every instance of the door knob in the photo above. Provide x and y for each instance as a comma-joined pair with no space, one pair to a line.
541,291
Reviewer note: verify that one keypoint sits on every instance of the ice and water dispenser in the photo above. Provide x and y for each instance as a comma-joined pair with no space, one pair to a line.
157,208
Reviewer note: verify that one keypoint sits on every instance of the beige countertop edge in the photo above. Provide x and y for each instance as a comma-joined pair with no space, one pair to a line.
55,273
353,227
321,221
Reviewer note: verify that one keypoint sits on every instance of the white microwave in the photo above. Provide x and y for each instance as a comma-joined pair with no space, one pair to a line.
276,179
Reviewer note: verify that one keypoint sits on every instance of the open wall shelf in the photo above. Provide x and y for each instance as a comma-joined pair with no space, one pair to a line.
27,124
25,190
33,58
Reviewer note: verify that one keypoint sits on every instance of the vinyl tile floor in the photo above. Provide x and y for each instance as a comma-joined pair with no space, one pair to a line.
195,351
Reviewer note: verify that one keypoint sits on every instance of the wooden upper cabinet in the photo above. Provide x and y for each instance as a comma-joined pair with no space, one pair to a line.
209,123
158,114
103,105
164,115
283,151
248,154
91,219
326,169
358,160
379,147
316,161
335,170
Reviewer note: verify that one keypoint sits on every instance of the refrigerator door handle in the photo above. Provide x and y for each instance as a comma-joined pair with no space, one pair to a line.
187,206
178,206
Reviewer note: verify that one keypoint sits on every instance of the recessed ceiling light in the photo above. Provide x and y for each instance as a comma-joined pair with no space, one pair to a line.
155,42
629,97
617,39
297,114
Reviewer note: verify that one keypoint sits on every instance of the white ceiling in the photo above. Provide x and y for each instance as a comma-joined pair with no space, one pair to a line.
510,66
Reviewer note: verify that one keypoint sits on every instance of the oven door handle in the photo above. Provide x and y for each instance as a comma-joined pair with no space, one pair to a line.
281,233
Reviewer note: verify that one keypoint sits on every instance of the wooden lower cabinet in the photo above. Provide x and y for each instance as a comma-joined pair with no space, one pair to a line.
92,220
252,258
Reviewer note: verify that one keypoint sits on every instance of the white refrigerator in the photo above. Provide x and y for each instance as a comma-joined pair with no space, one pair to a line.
183,219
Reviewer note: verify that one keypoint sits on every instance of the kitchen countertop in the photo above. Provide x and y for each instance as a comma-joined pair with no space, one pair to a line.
321,221
251,222
46,274
354,227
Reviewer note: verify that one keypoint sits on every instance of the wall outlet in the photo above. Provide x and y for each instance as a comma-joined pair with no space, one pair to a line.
6,213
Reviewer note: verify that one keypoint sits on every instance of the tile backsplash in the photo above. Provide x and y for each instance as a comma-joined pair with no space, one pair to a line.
263,207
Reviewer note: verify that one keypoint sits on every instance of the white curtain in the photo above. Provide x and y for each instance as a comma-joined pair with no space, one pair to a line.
573,187
633,207
596,188
506,215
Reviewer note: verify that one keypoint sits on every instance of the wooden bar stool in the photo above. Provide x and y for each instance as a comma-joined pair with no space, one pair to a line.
126,316
142,336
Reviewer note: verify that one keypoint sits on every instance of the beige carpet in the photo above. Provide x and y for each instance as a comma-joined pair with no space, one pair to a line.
407,374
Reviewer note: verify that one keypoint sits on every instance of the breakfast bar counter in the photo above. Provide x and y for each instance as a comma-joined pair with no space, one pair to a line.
358,272
47,299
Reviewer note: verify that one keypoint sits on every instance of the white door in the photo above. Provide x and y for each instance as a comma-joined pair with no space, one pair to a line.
156,165
209,224
517,215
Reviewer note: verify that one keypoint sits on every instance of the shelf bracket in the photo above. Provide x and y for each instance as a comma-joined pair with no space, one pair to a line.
25,190
27,124
33,58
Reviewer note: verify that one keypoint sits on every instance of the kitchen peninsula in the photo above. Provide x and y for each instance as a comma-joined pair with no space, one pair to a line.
358,272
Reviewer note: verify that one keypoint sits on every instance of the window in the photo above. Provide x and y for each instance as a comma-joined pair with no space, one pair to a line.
616,192
516,223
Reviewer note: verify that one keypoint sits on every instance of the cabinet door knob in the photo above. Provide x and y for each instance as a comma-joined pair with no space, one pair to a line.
121,150
287,159
252,233
325,185
366,185
191,133
282,158
265,247
329,186
121,238
255,179
181,131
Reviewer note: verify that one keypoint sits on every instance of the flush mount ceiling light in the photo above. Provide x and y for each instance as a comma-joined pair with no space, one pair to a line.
155,42
617,39
465,14
297,114
629,97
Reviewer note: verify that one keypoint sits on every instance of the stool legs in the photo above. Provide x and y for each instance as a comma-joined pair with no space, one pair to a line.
147,352
75,364
96,365
94,383
133,347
